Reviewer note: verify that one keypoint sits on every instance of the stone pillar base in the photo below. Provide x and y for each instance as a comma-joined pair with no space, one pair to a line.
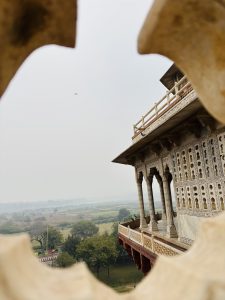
143,224
164,221
163,217
153,226
171,231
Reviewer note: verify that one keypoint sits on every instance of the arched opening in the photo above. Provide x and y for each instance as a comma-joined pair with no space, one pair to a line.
173,195
204,204
171,190
183,203
157,198
221,203
196,203
189,203
213,204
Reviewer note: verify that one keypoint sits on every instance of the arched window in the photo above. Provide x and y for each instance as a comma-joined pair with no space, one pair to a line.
196,204
222,203
189,203
183,203
213,204
204,203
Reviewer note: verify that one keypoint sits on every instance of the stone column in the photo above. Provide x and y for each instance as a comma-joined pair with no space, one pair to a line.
170,227
143,223
159,179
152,224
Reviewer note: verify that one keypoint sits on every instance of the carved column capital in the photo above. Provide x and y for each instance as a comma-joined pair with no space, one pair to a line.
149,179
139,177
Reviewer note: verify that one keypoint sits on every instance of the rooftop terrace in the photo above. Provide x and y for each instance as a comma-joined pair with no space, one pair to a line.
179,91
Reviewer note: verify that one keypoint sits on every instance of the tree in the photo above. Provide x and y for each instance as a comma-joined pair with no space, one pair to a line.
84,229
54,237
70,245
64,260
38,232
122,256
97,251
123,214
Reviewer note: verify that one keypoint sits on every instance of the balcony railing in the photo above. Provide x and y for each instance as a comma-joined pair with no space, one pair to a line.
173,96
150,242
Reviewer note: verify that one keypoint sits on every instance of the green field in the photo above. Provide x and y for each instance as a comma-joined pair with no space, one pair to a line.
104,227
121,278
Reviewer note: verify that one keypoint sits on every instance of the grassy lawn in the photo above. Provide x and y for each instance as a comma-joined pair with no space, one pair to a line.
104,227
104,213
121,278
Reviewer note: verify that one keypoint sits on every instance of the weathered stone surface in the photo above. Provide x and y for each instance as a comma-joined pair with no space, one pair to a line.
191,33
29,24
198,274
23,277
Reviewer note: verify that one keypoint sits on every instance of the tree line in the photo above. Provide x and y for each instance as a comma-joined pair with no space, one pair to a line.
84,243
98,251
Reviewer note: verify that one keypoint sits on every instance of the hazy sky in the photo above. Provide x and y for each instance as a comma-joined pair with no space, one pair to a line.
59,145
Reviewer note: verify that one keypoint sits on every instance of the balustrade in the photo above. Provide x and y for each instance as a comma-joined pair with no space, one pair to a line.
135,236
150,243
179,91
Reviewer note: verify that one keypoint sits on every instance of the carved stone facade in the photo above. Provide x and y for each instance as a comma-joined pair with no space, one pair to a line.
187,156
197,169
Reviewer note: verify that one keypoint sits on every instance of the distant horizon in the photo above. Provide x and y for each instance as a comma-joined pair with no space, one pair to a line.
66,200
13,207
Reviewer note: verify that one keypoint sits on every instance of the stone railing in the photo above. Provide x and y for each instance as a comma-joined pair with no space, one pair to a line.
151,243
135,236
172,97
123,230
49,258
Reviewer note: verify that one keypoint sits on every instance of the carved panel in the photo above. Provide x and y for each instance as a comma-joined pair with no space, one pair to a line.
212,197
192,163
189,197
163,249
147,242
199,163
206,157
221,143
123,230
135,236
214,156
204,196
186,172
174,167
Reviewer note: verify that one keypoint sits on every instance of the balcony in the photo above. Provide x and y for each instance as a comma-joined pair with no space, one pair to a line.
181,95
146,245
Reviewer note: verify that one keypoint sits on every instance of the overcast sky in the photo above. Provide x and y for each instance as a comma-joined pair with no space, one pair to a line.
69,112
